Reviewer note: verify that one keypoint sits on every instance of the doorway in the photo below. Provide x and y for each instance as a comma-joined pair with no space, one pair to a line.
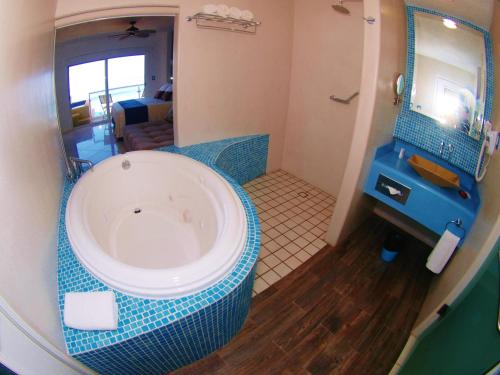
108,74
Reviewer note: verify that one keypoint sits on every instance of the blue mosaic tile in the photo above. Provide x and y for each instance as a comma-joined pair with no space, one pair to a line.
155,336
426,133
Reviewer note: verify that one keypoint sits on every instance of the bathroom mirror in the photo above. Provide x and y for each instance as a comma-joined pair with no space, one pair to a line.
449,80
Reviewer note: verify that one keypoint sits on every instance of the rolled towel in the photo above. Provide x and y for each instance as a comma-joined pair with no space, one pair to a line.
235,13
210,9
222,10
442,252
91,311
247,15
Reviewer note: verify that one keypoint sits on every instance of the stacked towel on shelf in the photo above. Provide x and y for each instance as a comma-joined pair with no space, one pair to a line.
91,311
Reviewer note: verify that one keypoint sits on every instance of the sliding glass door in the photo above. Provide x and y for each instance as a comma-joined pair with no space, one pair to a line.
126,77
96,85
85,82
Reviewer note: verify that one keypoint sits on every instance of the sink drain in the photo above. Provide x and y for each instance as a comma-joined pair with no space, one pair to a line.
137,211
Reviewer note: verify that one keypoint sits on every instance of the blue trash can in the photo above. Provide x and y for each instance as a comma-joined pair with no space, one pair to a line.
391,248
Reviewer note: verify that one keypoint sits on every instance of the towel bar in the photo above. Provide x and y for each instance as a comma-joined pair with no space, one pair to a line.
344,101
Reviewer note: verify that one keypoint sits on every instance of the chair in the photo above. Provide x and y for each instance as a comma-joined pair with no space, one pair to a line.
102,99
81,114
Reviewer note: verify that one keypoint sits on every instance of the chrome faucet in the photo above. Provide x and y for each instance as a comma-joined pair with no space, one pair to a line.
441,148
77,167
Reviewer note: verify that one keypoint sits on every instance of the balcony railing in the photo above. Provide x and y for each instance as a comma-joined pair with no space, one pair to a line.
97,100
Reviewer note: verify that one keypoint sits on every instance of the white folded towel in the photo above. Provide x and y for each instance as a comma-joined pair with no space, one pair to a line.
91,311
235,13
247,15
222,10
210,9
442,252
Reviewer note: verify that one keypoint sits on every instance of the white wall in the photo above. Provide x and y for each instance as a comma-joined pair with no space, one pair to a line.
228,84
30,170
384,56
91,49
327,56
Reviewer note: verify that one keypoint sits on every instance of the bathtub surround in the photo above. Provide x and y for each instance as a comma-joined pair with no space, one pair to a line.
294,217
426,133
155,336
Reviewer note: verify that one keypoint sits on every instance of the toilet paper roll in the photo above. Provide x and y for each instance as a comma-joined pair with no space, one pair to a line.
442,252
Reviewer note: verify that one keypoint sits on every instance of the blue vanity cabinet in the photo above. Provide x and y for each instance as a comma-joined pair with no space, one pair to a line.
392,181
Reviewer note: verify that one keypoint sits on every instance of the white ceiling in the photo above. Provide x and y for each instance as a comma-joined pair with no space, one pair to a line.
111,26
462,47
479,12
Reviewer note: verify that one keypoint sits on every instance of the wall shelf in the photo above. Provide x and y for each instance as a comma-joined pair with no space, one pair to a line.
212,21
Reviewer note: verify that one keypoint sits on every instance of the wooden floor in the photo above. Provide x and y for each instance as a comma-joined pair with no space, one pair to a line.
342,312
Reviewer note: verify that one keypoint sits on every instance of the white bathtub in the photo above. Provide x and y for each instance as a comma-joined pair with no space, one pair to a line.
155,225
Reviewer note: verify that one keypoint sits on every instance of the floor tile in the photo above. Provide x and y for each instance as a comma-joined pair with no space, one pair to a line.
301,242
273,246
262,268
271,261
260,285
294,217
302,255
311,249
272,233
271,277
282,269
292,248
282,254
291,235
309,236
319,243
282,240
293,262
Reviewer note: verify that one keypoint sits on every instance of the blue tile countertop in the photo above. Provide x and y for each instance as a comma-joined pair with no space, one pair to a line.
239,160
430,205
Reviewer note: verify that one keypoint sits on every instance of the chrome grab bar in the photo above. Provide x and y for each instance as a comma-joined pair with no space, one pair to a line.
344,101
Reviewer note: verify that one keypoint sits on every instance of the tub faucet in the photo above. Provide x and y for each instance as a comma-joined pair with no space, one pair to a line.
77,167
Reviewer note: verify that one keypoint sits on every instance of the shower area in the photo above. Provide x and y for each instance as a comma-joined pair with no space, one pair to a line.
295,204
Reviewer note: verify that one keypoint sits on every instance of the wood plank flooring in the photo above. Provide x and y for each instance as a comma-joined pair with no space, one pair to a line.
342,312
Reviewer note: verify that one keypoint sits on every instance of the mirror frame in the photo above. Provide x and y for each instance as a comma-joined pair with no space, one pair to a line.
426,133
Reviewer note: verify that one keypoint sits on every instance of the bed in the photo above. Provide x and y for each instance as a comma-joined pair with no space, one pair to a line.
137,111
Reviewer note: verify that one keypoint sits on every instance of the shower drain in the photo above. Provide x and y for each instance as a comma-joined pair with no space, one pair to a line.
303,194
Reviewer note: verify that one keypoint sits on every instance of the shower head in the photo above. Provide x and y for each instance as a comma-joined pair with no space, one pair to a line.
341,8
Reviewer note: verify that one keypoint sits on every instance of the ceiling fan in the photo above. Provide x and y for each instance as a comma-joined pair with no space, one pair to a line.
133,31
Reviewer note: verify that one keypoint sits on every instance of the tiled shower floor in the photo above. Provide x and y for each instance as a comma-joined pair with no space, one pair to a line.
294,217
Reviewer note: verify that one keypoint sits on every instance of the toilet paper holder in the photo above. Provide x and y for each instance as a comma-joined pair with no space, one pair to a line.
459,224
